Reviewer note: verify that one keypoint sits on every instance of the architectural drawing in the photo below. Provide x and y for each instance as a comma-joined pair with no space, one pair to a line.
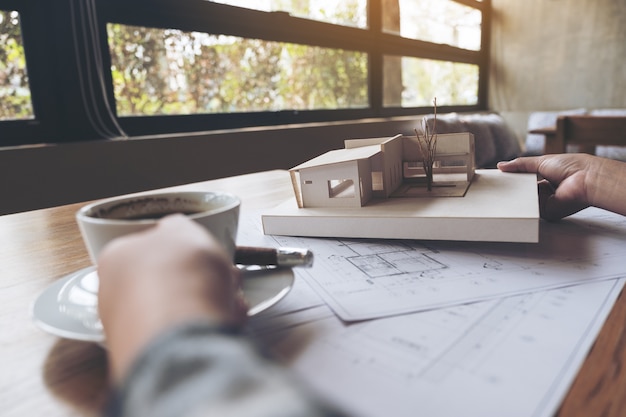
362,279
513,356
383,168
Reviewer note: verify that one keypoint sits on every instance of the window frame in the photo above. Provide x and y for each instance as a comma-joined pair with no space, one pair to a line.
14,132
57,99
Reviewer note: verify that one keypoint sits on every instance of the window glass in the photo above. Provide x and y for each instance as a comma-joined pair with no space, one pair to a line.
167,72
441,21
424,79
347,12
15,100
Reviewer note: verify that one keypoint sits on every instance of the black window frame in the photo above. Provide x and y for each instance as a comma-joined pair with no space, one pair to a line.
53,58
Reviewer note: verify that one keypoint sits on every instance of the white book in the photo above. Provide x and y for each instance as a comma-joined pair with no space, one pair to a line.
497,207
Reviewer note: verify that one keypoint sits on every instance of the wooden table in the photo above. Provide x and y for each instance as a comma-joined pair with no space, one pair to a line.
46,376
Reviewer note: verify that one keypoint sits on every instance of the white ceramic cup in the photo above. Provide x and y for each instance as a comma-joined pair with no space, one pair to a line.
105,220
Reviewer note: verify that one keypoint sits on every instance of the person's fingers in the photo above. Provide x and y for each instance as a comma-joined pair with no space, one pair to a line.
240,305
546,197
183,228
555,204
522,164
556,209
240,308
177,247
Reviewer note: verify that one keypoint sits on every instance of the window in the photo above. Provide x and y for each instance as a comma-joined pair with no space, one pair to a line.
192,72
341,189
377,181
346,13
442,21
15,102
94,69
452,83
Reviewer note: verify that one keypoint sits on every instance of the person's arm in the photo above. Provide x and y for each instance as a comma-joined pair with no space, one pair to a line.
199,369
171,309
572,182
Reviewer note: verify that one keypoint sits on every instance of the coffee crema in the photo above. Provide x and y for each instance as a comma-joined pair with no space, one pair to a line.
155,216
149,209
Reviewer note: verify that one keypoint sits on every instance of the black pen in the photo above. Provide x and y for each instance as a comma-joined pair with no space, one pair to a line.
282,257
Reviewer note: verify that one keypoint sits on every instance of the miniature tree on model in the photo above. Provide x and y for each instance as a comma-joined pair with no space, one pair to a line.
428,146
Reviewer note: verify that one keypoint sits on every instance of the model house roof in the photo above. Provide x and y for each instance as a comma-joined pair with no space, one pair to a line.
340,155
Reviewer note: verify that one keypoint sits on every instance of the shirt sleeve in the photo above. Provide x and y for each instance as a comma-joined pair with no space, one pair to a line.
203,370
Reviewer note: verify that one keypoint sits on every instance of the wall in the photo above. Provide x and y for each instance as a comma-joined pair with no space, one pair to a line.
51,175
557,54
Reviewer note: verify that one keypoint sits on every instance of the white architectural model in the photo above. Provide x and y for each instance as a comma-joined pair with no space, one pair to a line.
377,188
383,168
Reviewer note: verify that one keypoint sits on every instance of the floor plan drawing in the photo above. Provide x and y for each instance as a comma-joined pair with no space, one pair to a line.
513,356
362,279
462,328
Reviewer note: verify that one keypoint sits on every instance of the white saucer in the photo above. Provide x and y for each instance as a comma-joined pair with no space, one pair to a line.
262,288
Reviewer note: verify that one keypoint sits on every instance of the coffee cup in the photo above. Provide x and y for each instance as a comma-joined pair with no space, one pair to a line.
105,220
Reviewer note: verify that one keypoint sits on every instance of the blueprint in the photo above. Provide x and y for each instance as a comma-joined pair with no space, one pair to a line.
367,278
454,328
514,356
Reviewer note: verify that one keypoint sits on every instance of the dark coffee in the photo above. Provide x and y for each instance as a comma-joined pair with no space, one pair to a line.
156,216
149,208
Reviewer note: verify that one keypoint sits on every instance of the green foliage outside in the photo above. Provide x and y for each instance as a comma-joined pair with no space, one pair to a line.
452,83
159,71
15,100
170,72
345,13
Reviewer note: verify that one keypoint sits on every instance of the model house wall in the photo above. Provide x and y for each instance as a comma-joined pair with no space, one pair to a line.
392,155
338,178
455,154
375,167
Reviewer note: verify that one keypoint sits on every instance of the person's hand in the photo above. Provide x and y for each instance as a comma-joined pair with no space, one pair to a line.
156,279
572,182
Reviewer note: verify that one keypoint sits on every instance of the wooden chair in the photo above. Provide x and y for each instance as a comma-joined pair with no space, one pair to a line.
586,132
